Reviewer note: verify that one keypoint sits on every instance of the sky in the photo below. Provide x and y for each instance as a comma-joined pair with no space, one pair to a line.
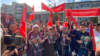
37,3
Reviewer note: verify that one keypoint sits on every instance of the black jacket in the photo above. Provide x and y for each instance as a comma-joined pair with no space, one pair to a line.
78,36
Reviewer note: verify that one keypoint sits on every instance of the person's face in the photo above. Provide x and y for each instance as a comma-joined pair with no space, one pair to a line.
44,23
54,28
13,27
74,27
85,22
98,28
7,17
64,30
34,41
82,28
36,29
44,27
51,30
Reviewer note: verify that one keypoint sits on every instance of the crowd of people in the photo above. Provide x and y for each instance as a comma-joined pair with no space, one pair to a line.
52,41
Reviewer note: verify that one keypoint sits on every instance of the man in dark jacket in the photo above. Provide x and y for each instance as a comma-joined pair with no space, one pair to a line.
82,47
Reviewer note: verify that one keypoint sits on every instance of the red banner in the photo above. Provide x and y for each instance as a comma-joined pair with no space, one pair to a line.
85,12
44,7
59,8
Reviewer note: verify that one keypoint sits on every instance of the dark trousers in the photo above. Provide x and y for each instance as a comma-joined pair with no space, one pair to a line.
93,53
71,48
82,52
66,52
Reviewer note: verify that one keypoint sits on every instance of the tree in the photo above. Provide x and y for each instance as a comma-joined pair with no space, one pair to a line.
55,17
94,19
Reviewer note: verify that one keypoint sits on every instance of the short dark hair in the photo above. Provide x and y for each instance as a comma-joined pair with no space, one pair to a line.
82,25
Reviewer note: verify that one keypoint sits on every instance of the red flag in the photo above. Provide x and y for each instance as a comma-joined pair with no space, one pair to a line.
31,14
58,19
59,8
39,23
70,17
45,7
65,24
92,35
50,20
22,27
55,9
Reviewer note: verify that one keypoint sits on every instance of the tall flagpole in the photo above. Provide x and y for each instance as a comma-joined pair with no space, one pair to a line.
26,24
41,18
63,16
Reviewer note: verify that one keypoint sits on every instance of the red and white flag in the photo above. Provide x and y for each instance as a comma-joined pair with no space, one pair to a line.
22,28
31,14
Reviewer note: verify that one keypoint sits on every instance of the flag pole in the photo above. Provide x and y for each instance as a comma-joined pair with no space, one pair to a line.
26,25
63,16
41,14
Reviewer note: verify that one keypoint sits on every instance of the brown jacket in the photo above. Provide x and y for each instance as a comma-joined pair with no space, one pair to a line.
2,47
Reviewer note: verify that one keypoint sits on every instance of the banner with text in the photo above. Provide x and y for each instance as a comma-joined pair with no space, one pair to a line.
85,12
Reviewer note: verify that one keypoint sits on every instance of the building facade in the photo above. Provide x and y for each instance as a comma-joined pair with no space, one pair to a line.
14,9
83,5
76,5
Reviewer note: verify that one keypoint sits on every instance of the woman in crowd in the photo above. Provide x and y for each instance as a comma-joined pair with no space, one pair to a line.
12,28
31,37
49,47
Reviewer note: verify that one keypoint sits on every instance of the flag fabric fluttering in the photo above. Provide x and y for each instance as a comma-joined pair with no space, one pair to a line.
58,20
59,8
50,20
22,27
93,37
31,14
70,17
44,7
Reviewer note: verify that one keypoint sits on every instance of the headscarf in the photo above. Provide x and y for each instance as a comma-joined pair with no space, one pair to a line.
35,26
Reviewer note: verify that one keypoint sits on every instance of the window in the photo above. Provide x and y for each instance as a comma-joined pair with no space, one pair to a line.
19,10
20,6
98,4
18,13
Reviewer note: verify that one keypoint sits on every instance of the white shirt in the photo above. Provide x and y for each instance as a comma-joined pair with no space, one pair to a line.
1,33
7,21
36,45
96,34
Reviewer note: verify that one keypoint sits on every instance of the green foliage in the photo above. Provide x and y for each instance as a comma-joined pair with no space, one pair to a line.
55,17
94,19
